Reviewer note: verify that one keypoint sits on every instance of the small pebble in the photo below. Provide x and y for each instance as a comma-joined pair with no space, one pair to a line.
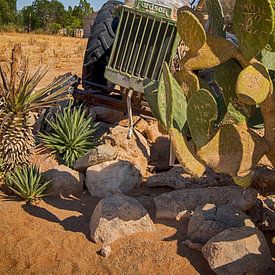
105,251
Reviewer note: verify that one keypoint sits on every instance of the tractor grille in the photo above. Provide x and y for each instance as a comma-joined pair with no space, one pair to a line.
142,44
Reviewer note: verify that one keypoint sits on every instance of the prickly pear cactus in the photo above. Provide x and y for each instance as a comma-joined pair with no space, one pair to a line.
227,146
202,113
253,25
216,17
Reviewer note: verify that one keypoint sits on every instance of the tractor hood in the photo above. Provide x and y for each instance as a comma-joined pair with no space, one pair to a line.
160,8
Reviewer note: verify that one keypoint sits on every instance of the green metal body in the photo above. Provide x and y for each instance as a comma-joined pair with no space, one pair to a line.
145,39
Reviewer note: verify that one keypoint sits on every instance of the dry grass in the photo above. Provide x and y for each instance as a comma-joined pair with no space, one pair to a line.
62,54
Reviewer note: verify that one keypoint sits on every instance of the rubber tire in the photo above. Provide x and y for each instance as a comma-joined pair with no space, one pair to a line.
100,45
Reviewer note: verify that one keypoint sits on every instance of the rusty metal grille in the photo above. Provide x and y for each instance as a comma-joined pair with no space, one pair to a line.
142,44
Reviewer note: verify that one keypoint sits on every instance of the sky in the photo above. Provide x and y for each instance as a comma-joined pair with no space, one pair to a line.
96,4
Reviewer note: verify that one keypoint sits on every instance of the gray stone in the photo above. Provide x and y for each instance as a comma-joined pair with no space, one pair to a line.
136,150
177,179
263,214
64,181
115,176
105,251
106,115
241,250
170,205
101,153
209,220
118,216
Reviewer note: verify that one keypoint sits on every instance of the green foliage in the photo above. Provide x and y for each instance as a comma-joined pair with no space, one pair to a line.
52,16
27,183
71,135
202,113
7,11
253,25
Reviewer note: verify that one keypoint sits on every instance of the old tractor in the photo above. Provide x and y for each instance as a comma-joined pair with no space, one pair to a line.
127,47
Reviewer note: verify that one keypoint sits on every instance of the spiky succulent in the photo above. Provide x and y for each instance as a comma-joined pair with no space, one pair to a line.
71,135
27,183
18,99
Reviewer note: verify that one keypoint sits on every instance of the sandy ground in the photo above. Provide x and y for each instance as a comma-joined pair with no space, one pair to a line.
53,238
62,54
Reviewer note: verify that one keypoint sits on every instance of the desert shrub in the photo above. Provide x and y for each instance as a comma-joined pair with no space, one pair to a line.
71,134
27,183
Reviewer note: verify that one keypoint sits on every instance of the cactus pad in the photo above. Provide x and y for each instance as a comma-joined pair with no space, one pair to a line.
155,96
253,25
190,30
188,82
175,101
234,150
216,17
215,51
253,84
202,113
226,75
184,155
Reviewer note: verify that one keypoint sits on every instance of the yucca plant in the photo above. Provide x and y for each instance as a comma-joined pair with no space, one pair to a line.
27,183
71,135
18,100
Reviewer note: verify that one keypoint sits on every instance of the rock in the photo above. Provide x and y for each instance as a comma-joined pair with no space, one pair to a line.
263,215
135,150
105,251
101,153
270,202
112,177
264,179
169,205
106,115
101,130
209,220
64,181
139,123
118,216
152,132
241,250
177,179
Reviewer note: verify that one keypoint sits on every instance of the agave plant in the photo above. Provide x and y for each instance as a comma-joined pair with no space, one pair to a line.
71,135
18,99
27,183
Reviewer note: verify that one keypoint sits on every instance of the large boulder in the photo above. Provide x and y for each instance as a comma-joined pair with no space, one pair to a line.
118,216
100,154
209,220
241,250
135,150
115,176
171,205
64,181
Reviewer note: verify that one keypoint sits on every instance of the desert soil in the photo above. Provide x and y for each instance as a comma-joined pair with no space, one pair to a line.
53,236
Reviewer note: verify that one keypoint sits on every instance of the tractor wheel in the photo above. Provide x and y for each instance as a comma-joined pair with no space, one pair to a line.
100,45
